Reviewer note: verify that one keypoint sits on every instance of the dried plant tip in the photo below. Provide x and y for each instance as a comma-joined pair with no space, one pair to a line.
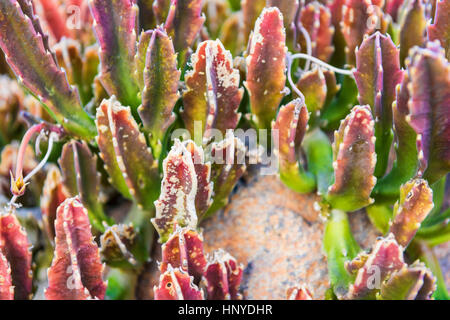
80,65
68,55
354,161
216,12
223,277
176,284
76,270
416,202
299,293
147,19
184,250
266,67
176,204
428,109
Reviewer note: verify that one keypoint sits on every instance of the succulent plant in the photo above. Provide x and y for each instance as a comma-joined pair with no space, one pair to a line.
361,152
299,293
76,271
151,112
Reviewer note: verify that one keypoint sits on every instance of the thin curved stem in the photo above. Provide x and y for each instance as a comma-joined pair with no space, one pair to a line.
23,146
44,160
308,46
12,202
291,57
321,63
289,76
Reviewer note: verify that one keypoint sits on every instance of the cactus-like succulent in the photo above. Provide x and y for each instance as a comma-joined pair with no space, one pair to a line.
151,112
76,272
16,256
183,248
266,66
176,284
383,274
299,293
223,276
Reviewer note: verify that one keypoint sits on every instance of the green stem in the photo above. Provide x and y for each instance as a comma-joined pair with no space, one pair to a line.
380,215
436,216
340,246
121,284
299,180
420,250
319,154
435,235
140,219
341,105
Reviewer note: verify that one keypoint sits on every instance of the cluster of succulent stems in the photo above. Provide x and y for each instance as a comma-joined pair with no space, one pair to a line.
115,96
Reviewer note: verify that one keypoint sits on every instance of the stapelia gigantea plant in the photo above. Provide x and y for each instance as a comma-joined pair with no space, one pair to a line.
105,89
